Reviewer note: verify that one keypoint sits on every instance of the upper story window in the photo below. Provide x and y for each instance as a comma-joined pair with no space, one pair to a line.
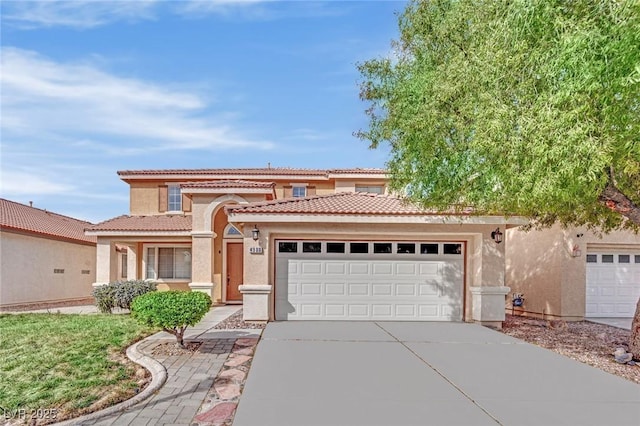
299,191
374,189
174,199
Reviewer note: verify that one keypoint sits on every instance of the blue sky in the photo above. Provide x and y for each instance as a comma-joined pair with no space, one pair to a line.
92,87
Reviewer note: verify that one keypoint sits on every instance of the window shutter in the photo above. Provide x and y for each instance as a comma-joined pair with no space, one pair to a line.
288,191
311,190
163,198
186,203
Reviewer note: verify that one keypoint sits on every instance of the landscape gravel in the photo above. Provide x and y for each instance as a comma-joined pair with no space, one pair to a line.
584,341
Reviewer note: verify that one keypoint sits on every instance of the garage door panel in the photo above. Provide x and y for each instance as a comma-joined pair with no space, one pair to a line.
418,294
337,311
406,269
336,268
382,290
406,289
381,310
612,288
335,289
358,311
358,268
382,268
311,268
314,289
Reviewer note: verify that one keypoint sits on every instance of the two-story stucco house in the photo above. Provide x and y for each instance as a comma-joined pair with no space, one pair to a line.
305,244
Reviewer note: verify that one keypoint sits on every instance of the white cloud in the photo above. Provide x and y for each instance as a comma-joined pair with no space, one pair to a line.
79,14
32,182
74,102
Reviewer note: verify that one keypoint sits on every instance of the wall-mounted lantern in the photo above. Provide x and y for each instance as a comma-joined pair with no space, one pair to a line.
255,233
497,236
576,252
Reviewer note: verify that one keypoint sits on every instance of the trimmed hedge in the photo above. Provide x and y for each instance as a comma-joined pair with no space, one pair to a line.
173,311
120,294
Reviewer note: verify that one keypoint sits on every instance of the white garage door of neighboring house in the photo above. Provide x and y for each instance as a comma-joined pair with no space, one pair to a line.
359,280
613,284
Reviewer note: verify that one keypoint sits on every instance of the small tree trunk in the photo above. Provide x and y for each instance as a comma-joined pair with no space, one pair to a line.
634,341
180,337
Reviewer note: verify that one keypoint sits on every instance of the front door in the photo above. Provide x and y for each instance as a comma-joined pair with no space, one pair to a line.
234,271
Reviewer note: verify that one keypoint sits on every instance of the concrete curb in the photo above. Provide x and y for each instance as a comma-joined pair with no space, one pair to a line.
158,378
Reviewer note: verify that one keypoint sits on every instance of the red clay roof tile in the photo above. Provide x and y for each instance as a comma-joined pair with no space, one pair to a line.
145,223
343,203
19,217
236,183
271,171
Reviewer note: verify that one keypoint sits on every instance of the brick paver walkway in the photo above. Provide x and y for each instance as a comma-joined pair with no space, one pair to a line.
190,377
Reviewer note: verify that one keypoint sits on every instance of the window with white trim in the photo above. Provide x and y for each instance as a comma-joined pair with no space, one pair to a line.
299,191
373,189
123,265
174,203
168,263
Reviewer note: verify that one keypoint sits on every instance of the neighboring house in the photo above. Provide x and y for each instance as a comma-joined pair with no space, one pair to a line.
45,258
573,273
306,245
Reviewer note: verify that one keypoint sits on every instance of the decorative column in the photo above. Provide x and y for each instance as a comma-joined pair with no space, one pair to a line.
488,305
201,261
106,262
255,302
132,263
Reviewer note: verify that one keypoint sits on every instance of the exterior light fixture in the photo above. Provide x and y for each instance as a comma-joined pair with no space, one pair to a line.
255,233
497,236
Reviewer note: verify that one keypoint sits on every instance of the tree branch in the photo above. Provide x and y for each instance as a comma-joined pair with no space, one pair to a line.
617,201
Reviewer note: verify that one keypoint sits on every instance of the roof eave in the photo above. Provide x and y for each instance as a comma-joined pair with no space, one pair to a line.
135,233
375,218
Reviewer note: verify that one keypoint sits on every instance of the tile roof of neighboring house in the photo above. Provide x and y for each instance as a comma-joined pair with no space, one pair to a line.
237,183
253,171
145,223
19,217
342,203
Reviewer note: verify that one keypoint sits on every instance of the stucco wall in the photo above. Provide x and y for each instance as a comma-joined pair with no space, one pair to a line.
27,266
541,265
143,198
484,258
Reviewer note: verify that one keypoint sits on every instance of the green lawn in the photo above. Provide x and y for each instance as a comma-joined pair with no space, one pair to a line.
69,363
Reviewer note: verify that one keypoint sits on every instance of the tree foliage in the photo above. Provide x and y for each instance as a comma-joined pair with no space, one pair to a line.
173,311
521,107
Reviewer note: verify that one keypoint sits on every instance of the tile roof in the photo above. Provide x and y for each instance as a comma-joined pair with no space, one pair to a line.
271,171
342,203
19,217
145,223
237,183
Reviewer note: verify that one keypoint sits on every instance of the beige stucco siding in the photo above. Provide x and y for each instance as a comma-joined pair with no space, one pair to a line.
544,267
144,198
27,266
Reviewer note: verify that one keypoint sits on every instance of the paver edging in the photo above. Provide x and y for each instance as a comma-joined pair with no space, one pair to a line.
158,378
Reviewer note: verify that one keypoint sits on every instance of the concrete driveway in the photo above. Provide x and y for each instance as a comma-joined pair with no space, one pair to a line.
401,373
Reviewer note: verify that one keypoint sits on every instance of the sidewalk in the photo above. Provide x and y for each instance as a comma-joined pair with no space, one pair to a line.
190,376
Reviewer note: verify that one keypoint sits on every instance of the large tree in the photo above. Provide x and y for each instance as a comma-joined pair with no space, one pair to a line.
518,107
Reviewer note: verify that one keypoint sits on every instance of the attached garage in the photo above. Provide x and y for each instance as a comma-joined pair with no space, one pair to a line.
369,280
613,283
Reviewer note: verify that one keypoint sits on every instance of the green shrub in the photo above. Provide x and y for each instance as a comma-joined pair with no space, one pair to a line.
120,294
173,311
125,291
104,298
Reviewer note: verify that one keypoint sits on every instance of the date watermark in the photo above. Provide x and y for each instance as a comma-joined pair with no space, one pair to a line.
28,413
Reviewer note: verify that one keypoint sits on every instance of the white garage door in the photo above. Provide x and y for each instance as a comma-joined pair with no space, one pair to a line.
613,284
356,280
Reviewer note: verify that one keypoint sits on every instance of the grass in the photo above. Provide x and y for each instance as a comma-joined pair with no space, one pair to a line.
69,363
